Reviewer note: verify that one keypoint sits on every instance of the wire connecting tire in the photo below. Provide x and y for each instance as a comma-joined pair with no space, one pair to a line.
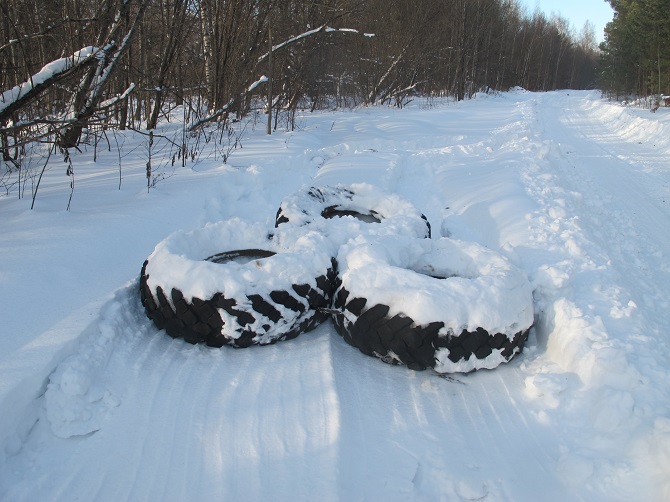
234,283
442,304
353,210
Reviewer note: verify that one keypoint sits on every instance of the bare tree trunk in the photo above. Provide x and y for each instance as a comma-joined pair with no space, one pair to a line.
270,69
90,93
459,82
173,39
205,27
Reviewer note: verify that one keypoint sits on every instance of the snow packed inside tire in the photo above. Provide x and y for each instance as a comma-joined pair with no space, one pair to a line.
443,304
237,283
346,210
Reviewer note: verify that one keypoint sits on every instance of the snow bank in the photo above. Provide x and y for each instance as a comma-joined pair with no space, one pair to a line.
634,124
78,398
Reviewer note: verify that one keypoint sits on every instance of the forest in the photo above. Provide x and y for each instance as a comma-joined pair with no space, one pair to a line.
69,66
635,56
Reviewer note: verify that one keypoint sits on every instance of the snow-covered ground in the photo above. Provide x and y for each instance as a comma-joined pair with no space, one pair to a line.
97,404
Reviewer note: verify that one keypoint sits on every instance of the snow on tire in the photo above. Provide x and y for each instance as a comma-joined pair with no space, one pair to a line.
443,304
236,283
346,210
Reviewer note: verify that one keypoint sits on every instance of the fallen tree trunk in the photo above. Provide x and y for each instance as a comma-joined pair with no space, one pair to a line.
21,95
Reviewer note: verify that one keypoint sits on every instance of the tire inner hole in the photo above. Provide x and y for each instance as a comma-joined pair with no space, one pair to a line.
334,212
431,271
241,256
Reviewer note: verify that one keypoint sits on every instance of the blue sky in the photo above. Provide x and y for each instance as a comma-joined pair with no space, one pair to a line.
598,12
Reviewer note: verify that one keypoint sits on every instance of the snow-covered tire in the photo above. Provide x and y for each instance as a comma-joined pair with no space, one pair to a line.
355,209
237,283
443,304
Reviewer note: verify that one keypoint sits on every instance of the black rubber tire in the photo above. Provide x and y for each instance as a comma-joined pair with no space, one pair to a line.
389,333
367,203
399,340
260,315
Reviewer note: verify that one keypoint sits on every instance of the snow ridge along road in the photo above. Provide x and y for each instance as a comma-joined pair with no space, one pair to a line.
96,404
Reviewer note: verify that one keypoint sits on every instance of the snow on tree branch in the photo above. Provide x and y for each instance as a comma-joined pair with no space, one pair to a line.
349,30
309,33
258,82
292,41
394,63
227,106
14,98
112,101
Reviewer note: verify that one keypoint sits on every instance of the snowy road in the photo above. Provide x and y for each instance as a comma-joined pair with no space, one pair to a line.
97,404
624,199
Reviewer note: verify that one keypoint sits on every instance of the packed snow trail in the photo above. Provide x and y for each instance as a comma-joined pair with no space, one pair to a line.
608,206
559,183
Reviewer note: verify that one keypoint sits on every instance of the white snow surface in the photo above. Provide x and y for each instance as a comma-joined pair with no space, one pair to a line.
97,404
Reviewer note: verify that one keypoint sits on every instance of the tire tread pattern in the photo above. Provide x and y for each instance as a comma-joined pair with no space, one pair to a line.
399,340
199,321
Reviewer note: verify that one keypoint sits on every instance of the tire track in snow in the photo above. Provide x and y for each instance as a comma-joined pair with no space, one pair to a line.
229,415
410,435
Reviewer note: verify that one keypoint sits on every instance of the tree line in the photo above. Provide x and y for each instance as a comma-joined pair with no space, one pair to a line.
68,65
635,56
